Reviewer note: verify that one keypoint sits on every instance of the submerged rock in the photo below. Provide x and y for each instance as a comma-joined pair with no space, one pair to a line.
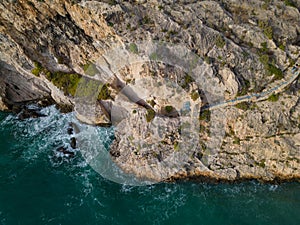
65,151
30,113
70,130
73,142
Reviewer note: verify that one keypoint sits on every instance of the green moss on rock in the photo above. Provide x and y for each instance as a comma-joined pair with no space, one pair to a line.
133,48
154,56
176,146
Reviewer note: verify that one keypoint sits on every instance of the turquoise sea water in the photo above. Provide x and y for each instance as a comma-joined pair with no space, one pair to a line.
37,186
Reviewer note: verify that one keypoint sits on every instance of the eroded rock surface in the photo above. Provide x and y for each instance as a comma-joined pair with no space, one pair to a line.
52,48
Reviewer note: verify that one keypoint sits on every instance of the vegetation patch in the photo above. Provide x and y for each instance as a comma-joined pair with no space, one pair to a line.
93,89
195,95
281,46
111,2
270,68
133,48
291,62
150,115
231,131
187,80
243,105
176,146
37,69
236,140
169,108
264,59
153,56
244,89
262,163
202,128
289,3
207,59
88,88
160,7
66,82
146,20
267,30
152,102
273,98
264,47
90,69
273,70
204,115
220,42
104,92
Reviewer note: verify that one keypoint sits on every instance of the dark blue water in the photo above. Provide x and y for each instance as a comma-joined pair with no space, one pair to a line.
38,186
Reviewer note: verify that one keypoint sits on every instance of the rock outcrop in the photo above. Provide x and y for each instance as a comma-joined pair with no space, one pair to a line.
94,56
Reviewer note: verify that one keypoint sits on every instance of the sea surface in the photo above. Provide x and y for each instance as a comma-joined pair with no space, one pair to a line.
38,185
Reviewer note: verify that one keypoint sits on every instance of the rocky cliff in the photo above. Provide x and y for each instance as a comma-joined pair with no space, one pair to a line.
218,101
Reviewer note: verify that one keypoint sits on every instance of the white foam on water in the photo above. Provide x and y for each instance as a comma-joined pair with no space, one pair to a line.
273,187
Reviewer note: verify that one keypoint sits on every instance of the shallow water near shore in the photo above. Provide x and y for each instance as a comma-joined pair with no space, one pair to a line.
39,186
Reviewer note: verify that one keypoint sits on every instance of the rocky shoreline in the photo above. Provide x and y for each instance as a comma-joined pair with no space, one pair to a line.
88,56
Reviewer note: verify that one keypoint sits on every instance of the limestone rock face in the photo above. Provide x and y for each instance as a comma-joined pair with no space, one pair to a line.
230,82
17,88
199,113
45,32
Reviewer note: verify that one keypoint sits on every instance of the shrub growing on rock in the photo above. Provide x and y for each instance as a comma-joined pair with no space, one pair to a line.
267,29
220,42
205,115
66,82
278,74
104,93
194,95
150,115
273,98
37,69
243,105
169,108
